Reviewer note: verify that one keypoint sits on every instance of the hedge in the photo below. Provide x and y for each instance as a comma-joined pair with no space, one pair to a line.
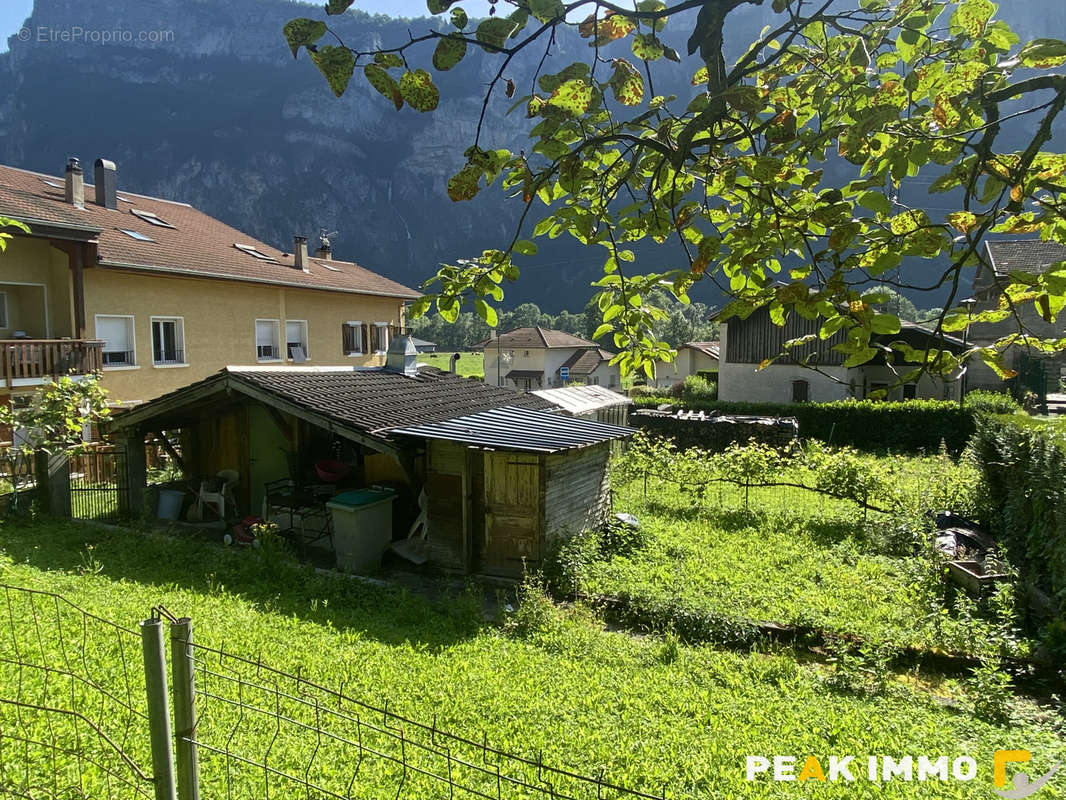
905,427
1023,469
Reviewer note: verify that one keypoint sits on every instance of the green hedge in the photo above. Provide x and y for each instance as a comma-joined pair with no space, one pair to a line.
1023,469
905,427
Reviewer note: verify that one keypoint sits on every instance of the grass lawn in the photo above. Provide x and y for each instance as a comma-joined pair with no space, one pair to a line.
794,557
646,711
470,365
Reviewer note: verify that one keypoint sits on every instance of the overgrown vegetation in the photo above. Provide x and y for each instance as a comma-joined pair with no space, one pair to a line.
649,712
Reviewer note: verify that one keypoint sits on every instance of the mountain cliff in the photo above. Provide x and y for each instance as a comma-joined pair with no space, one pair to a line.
210,109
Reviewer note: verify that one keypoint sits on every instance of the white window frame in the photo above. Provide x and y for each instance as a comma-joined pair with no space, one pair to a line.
381,326
131,330
179,323
3,310
358,325
276,323
304,338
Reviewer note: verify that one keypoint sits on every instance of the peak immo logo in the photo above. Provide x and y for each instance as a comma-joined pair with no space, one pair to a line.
882,768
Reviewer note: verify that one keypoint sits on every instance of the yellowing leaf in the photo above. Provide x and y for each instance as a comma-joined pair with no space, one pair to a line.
302,32
464,184
418,90
383,82
647,47
612,26
337,65
962,221
626,83
573,96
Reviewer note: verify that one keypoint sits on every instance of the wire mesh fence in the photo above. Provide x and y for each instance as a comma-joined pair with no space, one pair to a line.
73,719
89,708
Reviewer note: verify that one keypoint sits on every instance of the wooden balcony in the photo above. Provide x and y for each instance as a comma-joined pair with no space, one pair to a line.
29,362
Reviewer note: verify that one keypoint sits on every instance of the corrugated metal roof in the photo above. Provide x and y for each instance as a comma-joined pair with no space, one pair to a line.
583,399
513,428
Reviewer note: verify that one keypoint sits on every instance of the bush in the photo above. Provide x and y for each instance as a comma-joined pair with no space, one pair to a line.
909,426
985,402
643,391
697,389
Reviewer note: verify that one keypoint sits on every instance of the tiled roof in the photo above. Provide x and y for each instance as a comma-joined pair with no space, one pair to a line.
367,400
196,245
535,338
707,348
1023,255
585,362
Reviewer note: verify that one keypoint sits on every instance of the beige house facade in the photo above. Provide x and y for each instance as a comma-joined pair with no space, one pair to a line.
153,295
535,358
693,358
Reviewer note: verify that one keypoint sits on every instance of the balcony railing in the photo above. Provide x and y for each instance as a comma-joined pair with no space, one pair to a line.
24,362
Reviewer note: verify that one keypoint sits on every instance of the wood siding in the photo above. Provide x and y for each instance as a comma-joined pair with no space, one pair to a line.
445,489
577,491
752,340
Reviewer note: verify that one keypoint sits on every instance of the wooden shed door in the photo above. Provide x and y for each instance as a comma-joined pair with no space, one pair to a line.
512,513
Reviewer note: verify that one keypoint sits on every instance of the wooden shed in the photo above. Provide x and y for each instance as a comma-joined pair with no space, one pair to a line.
502,472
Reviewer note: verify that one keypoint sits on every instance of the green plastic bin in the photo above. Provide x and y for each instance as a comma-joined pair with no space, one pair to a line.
362,528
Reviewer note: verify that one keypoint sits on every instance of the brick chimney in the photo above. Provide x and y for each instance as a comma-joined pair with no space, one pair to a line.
299,253
106,188
75,183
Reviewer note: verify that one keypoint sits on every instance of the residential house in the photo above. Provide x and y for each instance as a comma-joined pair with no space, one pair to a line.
746,343
540,358
1040,374
156,294
503,476
693,358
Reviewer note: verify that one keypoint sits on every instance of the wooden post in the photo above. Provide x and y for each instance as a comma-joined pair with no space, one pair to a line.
155,680
183,668
136,473
52,473
77,267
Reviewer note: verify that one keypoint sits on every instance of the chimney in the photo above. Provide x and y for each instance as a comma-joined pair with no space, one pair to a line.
106,188
452,362
324,250
75,183
299,253
402,356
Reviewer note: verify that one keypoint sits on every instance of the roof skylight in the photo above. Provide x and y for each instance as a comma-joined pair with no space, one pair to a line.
148,216
140,237
328,266
254,253
53,184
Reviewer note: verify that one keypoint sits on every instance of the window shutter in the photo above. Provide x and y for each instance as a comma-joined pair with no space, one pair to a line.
114,331
347,338
365,335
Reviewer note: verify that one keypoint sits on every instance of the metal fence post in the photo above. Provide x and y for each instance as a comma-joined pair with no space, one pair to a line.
155,681
183,670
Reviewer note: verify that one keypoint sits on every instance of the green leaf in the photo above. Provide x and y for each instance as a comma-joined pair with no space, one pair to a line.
338,6
464,184
337,65
547,10
302,32
860,357
970,17
884,323
383,82
647,47
486,312
876,201
418,90
459,18
524,247
1043,53
494,31
388,60
449,52
438,6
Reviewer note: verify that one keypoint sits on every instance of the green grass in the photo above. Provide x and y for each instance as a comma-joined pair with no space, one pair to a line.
647,712
799,558
470,365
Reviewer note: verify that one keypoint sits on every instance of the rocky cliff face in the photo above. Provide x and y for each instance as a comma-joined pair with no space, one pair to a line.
211,110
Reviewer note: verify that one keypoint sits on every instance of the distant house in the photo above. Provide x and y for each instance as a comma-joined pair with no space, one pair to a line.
503,473
1031,256
693,358
746,343
154,294
540,358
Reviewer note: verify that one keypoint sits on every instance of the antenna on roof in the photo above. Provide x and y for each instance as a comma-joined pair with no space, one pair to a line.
325,250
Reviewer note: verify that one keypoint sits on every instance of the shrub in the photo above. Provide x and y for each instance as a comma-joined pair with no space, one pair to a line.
985,402
909,426
696,389
643,391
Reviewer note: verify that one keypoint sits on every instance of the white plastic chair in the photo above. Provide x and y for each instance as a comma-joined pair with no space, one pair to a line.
220,498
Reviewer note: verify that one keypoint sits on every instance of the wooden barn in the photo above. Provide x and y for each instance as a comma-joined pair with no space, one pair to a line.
502,472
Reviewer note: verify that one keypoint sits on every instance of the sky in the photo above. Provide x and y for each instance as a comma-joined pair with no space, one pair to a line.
14,12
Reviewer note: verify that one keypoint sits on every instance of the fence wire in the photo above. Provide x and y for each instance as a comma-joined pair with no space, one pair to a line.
73,719
264,732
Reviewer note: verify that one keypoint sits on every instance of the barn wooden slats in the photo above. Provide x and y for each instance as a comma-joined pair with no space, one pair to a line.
752,340
39,359
577,491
